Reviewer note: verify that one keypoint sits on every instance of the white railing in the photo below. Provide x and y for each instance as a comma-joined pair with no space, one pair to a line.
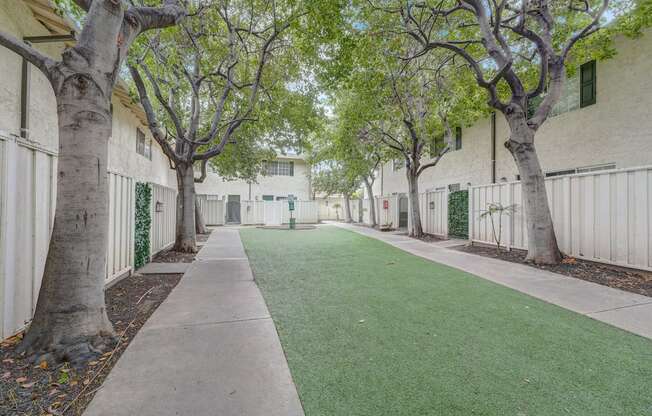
433,207
163,213
602,216
120,249
387,210
212,208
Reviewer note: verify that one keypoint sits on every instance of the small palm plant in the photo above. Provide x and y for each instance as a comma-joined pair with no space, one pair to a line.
498,209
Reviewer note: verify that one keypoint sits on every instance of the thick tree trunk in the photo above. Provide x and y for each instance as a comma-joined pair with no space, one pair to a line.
372,203
416,230
542,242
185,240
347,209
70,321
200,225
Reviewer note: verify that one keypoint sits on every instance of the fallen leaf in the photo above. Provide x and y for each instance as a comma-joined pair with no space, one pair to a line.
21,379
8,361
361,321
86,382
6,375
92,363
43,365
53,392
27,385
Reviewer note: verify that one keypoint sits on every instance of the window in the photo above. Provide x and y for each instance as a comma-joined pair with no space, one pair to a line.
268,197
398,164
458,138
579,92
281,198
279,168
587,84
143,144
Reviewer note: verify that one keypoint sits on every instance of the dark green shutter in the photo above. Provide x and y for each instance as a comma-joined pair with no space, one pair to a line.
587,84
291,168
458,138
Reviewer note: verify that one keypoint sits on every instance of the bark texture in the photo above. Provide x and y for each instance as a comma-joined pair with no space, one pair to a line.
372,203
415,228
200,224
542,242
70,321
185,240
347,209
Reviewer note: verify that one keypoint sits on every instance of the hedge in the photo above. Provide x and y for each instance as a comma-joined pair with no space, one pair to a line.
143,223
458,214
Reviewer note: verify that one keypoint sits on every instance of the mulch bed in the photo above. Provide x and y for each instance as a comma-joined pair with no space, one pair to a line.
635,281
169,256
28,389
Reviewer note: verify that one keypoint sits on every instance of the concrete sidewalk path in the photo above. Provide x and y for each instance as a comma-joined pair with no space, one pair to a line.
621,309
210,349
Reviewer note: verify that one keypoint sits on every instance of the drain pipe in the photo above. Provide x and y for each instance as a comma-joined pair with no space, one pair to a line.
493,147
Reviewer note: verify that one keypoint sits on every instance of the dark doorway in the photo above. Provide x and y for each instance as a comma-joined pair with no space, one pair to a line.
233,209
402,211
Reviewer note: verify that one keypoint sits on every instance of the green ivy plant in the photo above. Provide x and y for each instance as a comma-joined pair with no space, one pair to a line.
143,223
458,214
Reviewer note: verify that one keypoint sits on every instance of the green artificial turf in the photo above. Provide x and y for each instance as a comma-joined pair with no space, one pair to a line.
371,330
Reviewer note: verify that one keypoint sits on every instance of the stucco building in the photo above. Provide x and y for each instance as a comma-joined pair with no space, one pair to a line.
613,132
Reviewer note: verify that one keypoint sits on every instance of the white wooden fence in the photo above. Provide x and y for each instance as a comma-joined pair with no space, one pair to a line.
27,200
602,216
433,207
212,208
259,212
122,205
163,213
27,205
389,215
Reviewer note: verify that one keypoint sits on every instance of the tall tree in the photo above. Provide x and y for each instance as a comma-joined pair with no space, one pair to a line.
505,42
70,320
207,77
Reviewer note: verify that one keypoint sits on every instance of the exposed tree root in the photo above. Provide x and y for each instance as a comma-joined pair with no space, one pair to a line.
45,346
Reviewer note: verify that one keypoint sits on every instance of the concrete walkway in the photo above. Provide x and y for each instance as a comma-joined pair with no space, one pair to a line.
210,349
624,310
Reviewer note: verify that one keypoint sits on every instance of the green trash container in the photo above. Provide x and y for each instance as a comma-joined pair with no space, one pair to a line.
293,224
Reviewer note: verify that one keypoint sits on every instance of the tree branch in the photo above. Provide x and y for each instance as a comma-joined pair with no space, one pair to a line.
33,56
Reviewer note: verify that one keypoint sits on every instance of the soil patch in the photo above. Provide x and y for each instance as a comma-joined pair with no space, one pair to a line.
171,256
29,389
635,281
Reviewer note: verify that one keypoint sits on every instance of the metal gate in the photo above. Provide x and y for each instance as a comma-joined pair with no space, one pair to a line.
233,209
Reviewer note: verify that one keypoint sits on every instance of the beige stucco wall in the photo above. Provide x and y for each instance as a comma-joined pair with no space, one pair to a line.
297,185
17,19
617,129
123,158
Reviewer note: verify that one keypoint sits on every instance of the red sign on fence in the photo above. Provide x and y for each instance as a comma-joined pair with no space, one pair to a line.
385,204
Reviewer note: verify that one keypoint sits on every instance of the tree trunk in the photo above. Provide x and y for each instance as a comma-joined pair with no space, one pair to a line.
70,321
542,242
200,225
186,237
415,229
347,209
372,203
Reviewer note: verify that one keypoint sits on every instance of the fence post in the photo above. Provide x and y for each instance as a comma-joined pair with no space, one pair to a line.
471,217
